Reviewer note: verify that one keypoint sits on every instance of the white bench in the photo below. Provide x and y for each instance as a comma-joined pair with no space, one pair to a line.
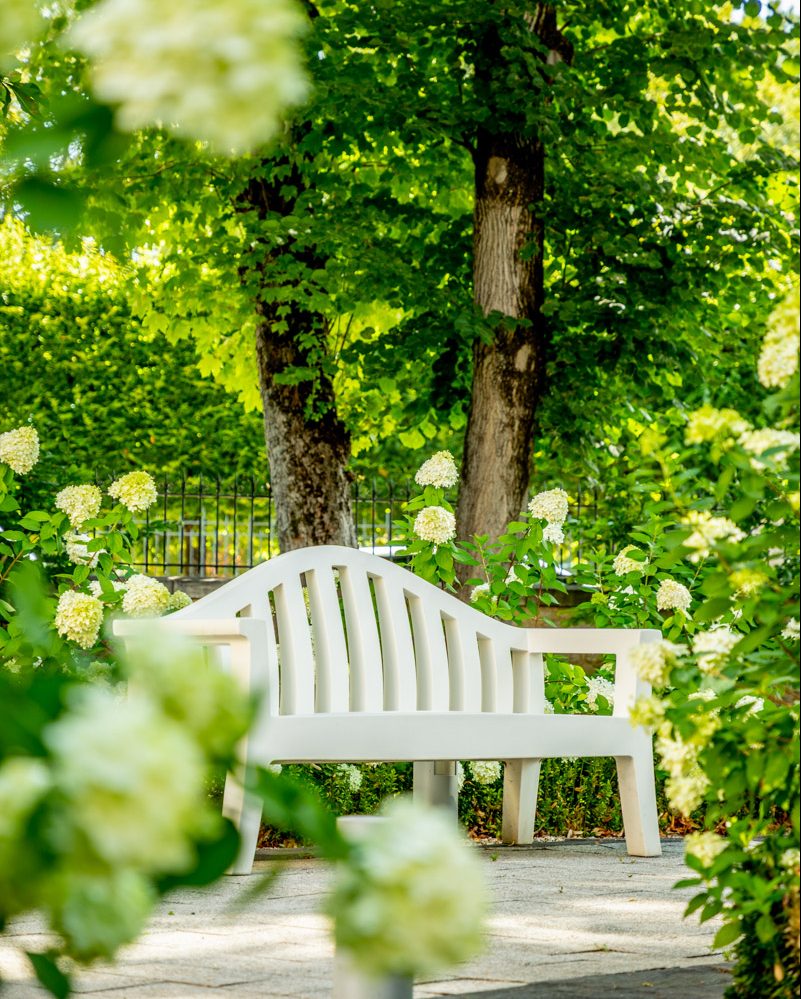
359,660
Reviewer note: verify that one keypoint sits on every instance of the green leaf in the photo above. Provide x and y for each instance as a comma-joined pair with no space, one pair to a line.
50,975
727,934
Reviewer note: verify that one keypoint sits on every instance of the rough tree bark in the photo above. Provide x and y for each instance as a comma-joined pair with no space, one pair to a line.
508,371
308,446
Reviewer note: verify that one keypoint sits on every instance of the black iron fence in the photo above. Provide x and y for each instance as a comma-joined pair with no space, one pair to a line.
202,527
206,527
215,528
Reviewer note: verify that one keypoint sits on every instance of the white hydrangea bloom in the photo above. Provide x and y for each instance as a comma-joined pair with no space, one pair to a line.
754,704
647,711
79,617
145,597
440,470
486,771
79,503
746,582
548,708
599,686
705,846
23,782
178,600
132,777
351,775
435,524
686,791
77,552
482,589
191,689
713,647
624,564
778,361
222,73
709,424
653,661
553,533
551,505
791,631
687,784
790,859
136,491
413,898
757,442
97,914
19,449
707,530
460,777
673,596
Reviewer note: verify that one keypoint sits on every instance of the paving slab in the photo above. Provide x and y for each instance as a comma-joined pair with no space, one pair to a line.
576,918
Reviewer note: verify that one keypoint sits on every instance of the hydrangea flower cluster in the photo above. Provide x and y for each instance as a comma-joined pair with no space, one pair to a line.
132,777
792,630
624,563
708,424
79,503
673,596
79,617
707,531
440,471
599,686
758,442
19,449
435,524
221,73
687,783
413,898
551,506
712,648
486,771
145,597
136,491
351,776
746,582
705,846
778,360
653,661
77,551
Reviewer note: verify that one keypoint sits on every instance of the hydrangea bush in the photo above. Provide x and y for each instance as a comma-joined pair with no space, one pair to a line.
718,573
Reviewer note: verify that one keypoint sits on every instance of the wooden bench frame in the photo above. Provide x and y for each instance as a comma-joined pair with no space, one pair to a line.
355,659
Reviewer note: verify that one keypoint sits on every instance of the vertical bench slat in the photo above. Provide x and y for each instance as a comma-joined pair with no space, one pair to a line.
497,682
400,679
366,685
431,655
297,657
333,682
464,666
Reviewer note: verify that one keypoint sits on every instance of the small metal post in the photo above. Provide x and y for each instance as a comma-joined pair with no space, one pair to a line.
350,981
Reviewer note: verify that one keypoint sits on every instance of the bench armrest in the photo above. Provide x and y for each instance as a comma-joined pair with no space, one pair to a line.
210,631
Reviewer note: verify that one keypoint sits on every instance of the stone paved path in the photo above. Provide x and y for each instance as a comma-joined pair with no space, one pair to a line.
570,919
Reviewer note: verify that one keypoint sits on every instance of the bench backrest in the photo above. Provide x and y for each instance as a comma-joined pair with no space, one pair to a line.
349,631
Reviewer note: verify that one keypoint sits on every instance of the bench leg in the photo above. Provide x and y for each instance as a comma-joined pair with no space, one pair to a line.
244,810
635,776
520,782
435,784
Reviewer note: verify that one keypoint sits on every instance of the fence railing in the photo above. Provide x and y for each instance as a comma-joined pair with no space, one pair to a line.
213,528
207,527
202,527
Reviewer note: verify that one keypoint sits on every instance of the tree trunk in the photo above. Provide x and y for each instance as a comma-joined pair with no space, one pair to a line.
508,371
308,446
310,483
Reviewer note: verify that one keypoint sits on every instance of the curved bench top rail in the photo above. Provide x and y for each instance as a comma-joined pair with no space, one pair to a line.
252,587
349,630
